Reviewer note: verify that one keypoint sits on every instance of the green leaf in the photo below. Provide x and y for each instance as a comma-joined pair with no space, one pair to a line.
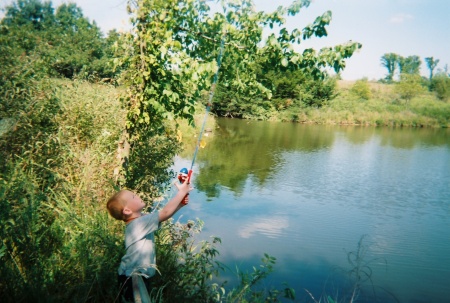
2,251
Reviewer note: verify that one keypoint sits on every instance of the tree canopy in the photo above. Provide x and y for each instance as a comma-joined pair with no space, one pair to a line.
65,40
173,50
175,45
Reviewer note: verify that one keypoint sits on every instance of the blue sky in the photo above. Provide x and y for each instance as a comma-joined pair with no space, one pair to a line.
405,27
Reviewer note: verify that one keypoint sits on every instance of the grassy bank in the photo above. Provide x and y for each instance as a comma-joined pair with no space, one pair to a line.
58,244
383,108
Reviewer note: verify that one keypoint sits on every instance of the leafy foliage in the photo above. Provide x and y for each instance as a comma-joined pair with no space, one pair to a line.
186,267
188,270
163,83
245,90
298,88
245,292
52,238
409,86
171,56
361,89
390,61
441,85
65,42
431,64
29,156
75,41
409,65
30,12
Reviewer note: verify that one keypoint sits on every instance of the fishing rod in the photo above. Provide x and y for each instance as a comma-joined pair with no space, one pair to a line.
185,175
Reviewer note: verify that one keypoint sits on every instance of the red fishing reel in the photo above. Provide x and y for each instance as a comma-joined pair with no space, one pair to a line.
184,176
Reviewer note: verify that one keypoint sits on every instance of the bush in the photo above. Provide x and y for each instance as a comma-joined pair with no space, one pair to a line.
441,85
297,88
409,86
361,89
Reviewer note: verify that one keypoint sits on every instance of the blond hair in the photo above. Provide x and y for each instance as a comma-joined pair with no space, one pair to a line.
116,204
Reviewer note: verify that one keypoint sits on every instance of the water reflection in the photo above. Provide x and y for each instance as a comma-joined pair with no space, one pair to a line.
270,227
306,193
241,149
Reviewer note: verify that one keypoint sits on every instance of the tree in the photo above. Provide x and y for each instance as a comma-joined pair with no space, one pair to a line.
409,86
390,61
173,51
30,12
441,85
431,64
67,42
297,89
409,65
76,42
243,73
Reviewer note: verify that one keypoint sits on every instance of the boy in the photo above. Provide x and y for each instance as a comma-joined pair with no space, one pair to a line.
139,233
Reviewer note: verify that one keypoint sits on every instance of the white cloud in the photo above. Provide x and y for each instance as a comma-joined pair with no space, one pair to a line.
400,18
270,226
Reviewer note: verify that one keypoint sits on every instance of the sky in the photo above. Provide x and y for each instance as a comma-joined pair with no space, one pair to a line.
404,27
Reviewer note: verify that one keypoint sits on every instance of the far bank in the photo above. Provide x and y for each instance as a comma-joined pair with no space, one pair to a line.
374,104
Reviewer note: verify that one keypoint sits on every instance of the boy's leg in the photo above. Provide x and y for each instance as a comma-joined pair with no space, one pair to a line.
141,288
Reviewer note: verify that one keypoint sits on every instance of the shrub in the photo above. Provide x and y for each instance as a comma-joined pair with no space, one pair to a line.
297,88
361,89
409,86
441,85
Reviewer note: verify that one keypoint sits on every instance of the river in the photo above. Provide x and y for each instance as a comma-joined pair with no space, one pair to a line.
337,206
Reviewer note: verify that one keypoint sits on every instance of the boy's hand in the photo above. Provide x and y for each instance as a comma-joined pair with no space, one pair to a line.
184,187
185,200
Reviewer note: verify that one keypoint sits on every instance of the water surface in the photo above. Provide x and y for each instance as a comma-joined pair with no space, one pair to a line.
308,194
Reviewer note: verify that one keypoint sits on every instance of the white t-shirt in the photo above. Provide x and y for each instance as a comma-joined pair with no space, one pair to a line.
140,246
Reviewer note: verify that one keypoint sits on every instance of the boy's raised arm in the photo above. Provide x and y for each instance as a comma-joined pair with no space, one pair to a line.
175,203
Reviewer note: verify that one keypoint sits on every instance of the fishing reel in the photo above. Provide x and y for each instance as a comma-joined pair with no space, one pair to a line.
184,176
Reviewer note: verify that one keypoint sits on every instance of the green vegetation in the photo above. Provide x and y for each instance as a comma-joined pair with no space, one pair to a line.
74,128
63,43
409,75
361,89
441,85
386,107
176,53
58,243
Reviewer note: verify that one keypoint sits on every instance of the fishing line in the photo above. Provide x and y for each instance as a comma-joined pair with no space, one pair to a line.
208,105
184,171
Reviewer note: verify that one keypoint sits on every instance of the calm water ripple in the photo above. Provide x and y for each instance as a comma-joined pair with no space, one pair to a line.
307,194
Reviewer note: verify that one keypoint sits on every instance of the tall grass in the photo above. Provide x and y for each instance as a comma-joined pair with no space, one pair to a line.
57,242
